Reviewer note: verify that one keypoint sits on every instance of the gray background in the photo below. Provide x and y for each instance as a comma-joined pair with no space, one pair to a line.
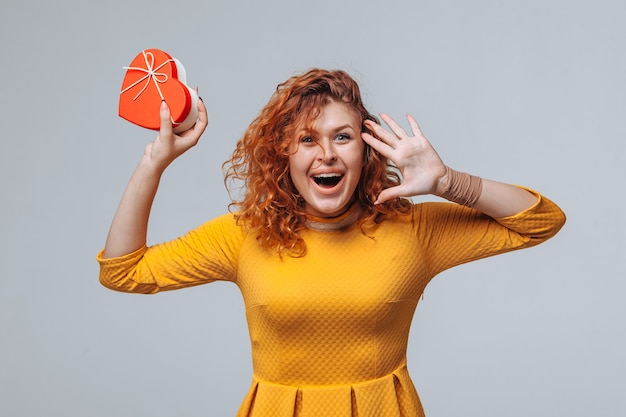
529,92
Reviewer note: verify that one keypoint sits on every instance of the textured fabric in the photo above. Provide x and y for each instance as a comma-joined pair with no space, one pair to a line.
329,330
462,188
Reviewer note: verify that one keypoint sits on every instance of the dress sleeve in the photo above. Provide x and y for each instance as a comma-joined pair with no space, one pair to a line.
205,254
451,234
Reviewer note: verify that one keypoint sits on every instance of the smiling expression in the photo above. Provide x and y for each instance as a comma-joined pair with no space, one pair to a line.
325,163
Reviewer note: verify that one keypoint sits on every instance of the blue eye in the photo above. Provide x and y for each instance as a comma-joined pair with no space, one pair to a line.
342,137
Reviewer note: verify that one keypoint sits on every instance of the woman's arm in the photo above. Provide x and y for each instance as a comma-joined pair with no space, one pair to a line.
130,224
502,200
424,172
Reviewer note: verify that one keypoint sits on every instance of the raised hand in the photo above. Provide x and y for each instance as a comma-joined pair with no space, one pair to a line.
168,146
421,167
130,224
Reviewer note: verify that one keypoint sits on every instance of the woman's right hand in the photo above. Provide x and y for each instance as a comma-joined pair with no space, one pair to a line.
168,146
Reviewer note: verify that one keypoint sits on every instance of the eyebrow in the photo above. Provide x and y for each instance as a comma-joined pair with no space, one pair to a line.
312,132
343,127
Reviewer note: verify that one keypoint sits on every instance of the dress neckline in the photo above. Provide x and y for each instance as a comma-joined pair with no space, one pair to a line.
343,221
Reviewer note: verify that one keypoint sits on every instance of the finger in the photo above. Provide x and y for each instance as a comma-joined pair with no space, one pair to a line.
378,145
389,194
165,129
382,134
395,127
203,117
201,123
415,128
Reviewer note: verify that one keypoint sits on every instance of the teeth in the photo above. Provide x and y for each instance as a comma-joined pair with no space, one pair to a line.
328,180
328,175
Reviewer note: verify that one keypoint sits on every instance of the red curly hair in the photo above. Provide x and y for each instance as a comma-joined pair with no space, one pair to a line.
271,206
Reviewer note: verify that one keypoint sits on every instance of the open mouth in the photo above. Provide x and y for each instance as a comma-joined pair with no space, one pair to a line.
327,180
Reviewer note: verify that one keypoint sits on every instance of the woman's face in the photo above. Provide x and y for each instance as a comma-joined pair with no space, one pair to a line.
325,163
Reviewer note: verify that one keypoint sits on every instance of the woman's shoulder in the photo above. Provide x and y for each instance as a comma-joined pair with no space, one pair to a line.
223,223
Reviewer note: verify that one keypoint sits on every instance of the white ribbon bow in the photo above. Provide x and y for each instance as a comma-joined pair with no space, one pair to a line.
151,74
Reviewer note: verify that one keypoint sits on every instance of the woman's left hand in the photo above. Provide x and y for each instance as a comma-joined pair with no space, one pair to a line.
422,169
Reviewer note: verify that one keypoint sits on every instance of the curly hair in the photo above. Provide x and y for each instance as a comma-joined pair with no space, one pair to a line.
270,205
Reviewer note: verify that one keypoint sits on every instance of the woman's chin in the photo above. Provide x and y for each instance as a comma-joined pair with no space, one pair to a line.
328,208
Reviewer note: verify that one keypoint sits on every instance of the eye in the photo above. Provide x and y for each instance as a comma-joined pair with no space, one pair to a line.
342,137
306,139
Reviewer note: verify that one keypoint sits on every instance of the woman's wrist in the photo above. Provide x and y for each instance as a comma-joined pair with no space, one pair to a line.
151,167
461,187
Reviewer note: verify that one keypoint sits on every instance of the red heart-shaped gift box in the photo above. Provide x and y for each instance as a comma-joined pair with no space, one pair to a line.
154,76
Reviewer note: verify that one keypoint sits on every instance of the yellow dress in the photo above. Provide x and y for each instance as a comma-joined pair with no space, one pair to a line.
329,330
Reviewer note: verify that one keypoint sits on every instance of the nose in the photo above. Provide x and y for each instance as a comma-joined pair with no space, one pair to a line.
327,152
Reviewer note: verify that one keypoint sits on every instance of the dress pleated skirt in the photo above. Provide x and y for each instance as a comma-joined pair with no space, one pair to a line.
390,396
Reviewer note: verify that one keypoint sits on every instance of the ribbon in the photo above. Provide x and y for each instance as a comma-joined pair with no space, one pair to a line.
151,75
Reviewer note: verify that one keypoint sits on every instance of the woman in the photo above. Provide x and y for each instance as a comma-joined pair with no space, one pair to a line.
330,257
